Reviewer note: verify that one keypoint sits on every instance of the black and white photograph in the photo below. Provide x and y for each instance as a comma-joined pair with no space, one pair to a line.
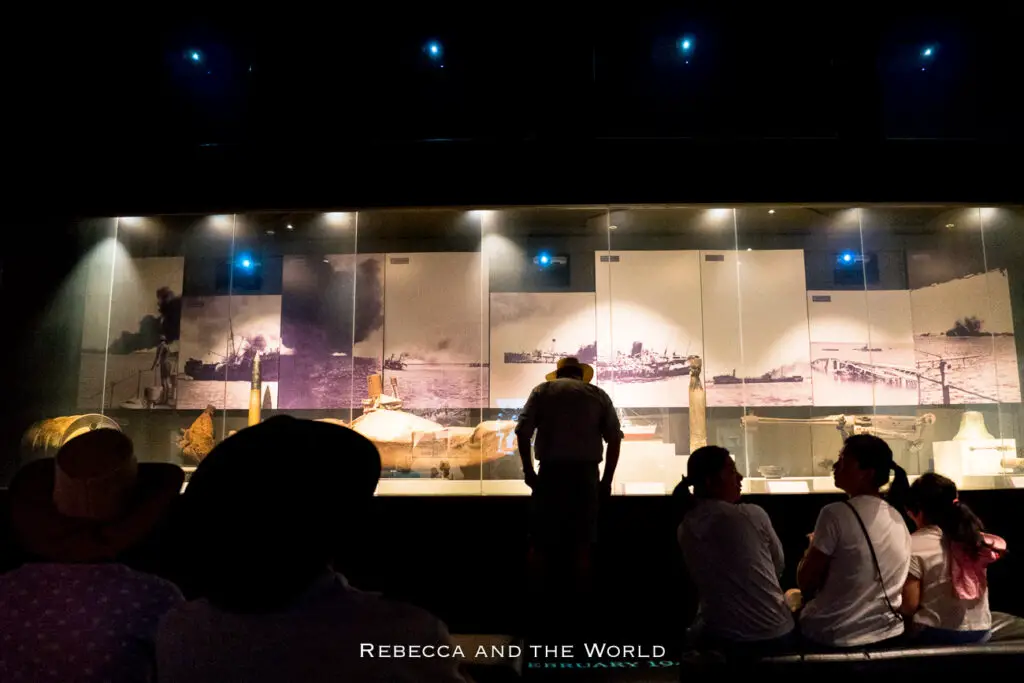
648,326
756,339
862,348
220,339
964,341
332,329
530,332
133,363
435,331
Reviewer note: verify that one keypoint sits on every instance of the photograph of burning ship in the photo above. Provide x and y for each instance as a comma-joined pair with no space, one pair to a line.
649,323
964,340
332,325
435,308
139,352
220,337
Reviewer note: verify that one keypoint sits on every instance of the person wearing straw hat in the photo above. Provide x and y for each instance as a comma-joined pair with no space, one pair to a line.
73,612
572,420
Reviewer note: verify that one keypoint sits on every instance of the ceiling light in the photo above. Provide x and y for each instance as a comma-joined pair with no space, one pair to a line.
771,210
289,226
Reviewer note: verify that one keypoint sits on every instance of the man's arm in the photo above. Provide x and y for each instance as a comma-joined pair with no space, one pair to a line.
611,431
524,434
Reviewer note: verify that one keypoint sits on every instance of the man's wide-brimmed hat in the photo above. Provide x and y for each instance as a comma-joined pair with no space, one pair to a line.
91,502
588,371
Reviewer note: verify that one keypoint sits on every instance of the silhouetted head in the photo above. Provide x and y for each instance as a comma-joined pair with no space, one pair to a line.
864,465
571,368
712,473
934,500
269,508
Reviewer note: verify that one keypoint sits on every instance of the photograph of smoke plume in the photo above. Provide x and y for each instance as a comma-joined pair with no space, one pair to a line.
332,320
964,340
435,308
141,298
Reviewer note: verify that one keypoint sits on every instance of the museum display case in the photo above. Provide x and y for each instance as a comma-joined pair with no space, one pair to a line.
774,331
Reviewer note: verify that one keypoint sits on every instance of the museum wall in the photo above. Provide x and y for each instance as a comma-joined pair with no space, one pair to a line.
427,329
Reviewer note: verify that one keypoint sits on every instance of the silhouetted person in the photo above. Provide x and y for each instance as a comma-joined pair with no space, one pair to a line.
572,420
859,553
267,514
734,558
73,612
163,361
946,593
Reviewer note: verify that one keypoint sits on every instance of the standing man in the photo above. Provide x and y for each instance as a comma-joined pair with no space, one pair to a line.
571,418
163,361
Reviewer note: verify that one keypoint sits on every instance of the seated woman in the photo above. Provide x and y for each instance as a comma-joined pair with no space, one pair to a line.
946,594
734,557
859,554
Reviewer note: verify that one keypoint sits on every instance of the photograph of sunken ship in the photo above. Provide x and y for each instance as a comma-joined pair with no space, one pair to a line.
586,354
644,365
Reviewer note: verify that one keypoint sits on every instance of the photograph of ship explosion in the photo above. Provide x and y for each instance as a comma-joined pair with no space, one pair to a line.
649,324
220,337
332,327
435,313
964,341
140,350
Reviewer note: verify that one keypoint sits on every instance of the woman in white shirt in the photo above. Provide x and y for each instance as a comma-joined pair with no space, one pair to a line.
734,558
946,593
859,555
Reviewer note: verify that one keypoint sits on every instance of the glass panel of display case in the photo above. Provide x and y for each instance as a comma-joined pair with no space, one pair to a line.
650,342
779,251
541,269
63,301
960,324
1001,230
420,348
156,350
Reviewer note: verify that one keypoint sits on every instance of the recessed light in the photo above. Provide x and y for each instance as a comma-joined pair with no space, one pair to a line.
270,232
749,249
950,225
613,227
771,210
289,226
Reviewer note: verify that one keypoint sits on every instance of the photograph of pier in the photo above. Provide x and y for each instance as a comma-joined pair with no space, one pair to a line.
862,348
648,324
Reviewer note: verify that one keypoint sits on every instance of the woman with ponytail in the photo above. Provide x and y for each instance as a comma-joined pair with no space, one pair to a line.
733,556
946,594
859,553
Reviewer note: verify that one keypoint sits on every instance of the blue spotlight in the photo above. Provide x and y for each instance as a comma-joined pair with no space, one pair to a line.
686,44
544,258
434,50
195,56
928,52
245,262
847,258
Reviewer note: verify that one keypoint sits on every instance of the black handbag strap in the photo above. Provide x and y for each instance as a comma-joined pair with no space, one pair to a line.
874,558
